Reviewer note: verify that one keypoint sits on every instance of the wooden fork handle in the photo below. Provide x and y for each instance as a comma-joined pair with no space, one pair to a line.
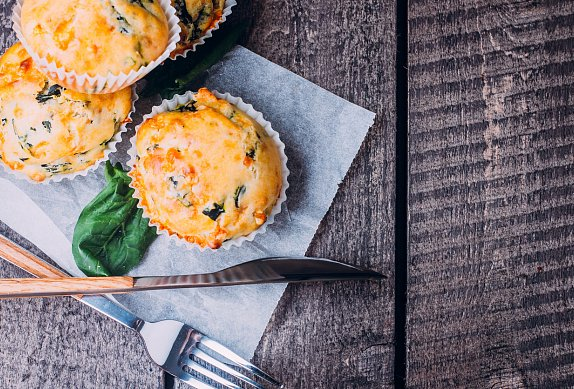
31,287
25,260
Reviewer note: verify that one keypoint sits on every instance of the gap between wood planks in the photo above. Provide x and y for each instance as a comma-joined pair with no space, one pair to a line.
168,381
401,193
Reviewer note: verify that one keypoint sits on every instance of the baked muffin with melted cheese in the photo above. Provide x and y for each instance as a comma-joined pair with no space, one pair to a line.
46,129
96,37
196,17
206,171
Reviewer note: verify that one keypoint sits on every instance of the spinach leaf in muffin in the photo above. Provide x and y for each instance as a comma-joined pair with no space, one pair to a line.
47,125
55,168
138,2
111,235
238,193
187,107
213,213
182,13
22,139
123,25
48,92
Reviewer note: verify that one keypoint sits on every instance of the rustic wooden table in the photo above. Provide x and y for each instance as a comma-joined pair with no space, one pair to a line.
463,193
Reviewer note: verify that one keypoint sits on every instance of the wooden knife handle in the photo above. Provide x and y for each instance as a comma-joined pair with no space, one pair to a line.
31,287
25,260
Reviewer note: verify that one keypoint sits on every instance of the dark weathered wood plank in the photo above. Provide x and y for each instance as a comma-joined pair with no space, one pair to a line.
340,335
490,300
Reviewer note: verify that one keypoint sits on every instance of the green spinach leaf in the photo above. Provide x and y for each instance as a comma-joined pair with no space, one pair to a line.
111,235
238,193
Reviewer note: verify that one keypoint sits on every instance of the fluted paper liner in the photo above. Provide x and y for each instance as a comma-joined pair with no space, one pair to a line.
170,105
100,83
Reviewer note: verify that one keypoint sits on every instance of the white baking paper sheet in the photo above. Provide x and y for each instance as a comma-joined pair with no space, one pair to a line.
322,134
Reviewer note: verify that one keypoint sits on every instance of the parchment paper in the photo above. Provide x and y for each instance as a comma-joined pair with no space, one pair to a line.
322,134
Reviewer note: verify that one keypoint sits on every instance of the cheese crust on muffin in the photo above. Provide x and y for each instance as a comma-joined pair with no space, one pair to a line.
46,129
96,37
206,171
196,17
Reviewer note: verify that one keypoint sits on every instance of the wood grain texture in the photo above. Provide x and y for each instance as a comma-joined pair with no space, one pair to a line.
339,334
490,300
67,286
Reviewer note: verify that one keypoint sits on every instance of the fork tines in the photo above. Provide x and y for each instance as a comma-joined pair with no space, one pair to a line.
203,370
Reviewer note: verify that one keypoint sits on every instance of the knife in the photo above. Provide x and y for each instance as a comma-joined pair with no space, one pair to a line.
264,270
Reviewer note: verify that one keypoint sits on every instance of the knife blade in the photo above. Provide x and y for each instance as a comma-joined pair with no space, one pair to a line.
259,271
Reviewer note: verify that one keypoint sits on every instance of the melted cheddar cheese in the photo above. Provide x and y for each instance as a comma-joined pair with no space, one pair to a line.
96,37
206,171
46,129
196,17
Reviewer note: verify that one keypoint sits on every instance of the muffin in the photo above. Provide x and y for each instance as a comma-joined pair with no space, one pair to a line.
46,129
95,37
206,171
196,17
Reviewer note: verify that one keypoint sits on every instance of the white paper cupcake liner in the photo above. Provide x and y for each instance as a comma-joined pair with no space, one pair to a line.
111,147
100,83
224,14
172,104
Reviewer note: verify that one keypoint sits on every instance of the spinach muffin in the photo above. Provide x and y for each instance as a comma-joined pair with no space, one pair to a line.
196,17
46,129
96,37
206,171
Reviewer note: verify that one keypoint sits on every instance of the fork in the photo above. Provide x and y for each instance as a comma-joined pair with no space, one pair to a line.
176,347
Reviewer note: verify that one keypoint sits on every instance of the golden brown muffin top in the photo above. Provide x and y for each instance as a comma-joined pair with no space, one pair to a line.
207,171
46,129
96,37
